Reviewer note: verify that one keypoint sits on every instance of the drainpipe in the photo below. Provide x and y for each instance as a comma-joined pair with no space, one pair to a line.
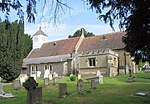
125,61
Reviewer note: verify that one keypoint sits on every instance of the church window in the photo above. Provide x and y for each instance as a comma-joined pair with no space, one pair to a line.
45,67
36,68
92,62
50,68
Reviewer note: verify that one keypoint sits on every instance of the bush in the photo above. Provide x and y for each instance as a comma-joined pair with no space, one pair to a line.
73,78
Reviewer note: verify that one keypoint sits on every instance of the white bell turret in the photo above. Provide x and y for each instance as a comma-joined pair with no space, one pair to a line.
39,38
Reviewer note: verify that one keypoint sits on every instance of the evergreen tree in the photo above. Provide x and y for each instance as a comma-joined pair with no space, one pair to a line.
13,48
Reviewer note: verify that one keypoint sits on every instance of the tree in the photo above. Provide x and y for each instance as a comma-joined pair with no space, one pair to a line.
133,16
79,32
13,48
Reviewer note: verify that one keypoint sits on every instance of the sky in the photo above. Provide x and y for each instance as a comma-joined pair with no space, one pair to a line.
80,16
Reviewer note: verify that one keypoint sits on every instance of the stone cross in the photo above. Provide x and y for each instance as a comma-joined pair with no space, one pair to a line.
30,85
80,85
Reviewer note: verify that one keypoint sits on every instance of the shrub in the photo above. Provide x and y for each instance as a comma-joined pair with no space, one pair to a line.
73,78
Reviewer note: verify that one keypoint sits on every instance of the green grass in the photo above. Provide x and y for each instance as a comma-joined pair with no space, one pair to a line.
115,90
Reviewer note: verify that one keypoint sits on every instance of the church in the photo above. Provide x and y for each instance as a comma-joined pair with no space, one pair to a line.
79,55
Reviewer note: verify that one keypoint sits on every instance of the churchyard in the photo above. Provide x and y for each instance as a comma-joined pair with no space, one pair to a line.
113,90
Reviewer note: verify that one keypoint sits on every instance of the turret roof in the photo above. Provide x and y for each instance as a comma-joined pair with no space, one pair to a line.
39,32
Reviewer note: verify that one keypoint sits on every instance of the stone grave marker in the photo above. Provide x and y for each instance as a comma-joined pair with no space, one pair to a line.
93,84
22,79
79,76
98,73
38,73
16,84
55,75
80,85
33,75
46,81
55,81
62,89
50,76
46,73
1,88
34,93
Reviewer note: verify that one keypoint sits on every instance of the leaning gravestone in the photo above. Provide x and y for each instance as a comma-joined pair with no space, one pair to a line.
34,93
80,85
46,81
16,84
62,89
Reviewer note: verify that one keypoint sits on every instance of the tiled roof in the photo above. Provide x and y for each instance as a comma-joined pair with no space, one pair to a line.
112,41
60,47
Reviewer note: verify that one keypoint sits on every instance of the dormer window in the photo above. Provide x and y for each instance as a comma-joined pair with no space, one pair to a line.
104,37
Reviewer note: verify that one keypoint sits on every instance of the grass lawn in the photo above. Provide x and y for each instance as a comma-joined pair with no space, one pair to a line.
115,90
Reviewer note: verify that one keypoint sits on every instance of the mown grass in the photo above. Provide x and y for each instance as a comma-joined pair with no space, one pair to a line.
115,90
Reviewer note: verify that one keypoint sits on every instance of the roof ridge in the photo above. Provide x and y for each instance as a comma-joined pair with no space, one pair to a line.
61,40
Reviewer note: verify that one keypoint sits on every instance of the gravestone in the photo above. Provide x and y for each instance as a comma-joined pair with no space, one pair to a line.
1,88
46,81
34,93
38,73
16,84
33,75
93,84
80,85
55,81
50,76
62,89
46,73
98,73
55,75
79,76
22,79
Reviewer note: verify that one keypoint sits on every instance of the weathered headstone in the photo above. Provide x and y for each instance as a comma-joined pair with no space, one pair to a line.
34,93
55,75
22,79
55,81
46,73
1,88
62,89
46,81
33,75
93,84
98,73
16,84
38,73
80,85
50,76
79,76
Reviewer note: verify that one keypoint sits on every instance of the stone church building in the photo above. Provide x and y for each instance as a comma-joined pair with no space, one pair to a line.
84,55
